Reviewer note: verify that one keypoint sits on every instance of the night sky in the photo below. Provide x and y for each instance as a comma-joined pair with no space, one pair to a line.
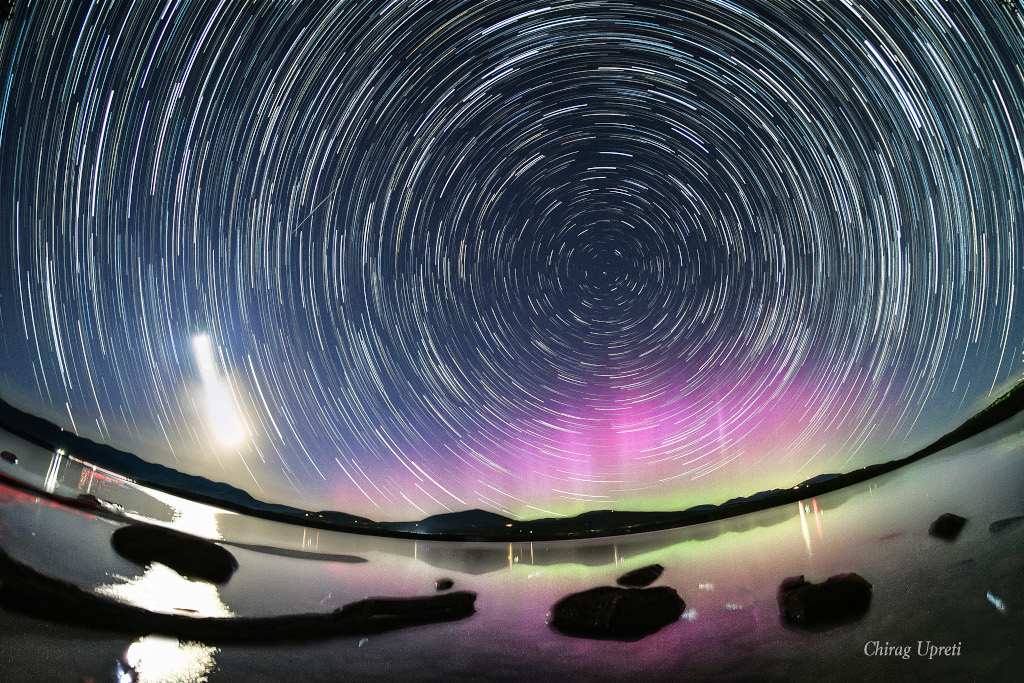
533,257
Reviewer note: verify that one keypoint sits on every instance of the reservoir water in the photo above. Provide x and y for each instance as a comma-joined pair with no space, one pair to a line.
939,609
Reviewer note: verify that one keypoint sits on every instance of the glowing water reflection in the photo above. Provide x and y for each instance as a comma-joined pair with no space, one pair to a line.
188,516
159,659
161,589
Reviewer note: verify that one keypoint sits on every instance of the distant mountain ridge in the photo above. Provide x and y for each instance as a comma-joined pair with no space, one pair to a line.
476,524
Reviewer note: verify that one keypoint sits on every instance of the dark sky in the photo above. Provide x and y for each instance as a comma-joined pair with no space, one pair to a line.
535,257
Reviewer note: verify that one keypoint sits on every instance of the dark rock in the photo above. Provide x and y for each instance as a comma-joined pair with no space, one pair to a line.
190,556
9,457
837,599
638,578
947,526
443,584
1002,525
384,614
617,613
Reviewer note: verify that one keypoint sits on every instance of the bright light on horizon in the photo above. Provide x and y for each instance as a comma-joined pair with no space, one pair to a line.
220,410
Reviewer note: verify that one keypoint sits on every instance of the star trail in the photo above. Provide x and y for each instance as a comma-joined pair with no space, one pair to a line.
532,257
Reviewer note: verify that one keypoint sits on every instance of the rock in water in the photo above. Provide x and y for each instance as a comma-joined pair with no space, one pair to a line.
638,578
443,584
1001,525
377,615
947,526
617,613
190,556
839,597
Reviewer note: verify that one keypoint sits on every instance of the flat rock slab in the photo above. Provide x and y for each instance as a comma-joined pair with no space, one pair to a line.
947,526
839,598
1001,525
638,578
613,613
192,557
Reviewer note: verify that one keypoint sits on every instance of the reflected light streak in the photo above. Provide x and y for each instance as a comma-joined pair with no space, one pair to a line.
803,528
50,483
996,602
219,399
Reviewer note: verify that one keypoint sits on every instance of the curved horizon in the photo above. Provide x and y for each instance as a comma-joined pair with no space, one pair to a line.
481,525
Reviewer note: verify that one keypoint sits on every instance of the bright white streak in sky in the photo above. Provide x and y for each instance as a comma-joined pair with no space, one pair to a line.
220,412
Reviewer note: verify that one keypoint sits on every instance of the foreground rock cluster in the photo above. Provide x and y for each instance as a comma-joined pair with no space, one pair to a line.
631,613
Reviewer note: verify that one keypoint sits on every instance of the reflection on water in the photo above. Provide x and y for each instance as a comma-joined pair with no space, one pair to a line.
803,528
161,589
159,659
188,516
996,602
728,573
50,483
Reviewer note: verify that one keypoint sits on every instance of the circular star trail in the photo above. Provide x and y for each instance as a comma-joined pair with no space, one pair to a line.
533,257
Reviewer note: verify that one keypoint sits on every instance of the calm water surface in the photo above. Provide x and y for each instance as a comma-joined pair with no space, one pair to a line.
968,593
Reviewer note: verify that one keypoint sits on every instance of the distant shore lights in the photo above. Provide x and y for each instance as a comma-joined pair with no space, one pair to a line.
220,401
